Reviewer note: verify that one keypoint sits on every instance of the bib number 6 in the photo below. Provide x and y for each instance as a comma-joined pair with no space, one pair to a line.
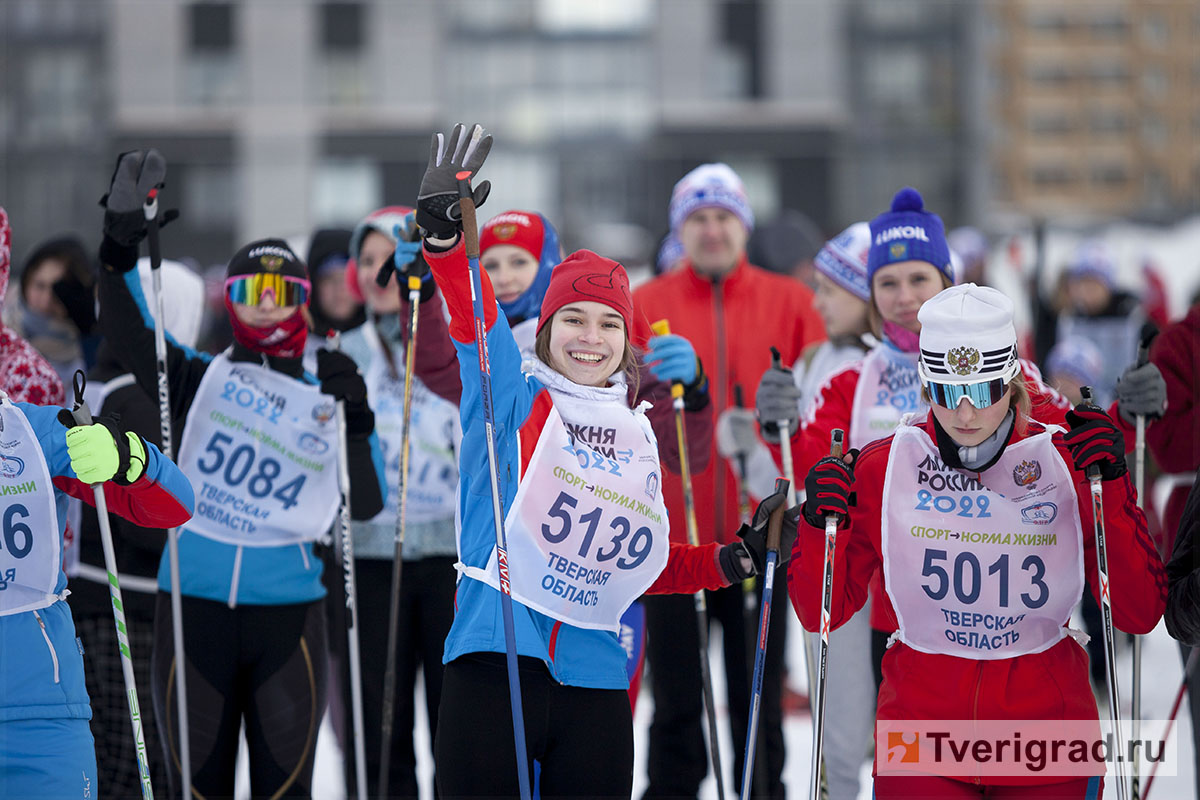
638,547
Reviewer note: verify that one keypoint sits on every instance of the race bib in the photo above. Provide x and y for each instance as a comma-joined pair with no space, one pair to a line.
260,449
888,388
587,530
983,566
30,544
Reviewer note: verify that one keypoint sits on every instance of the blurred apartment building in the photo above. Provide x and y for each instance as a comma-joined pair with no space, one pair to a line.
280,115
1097,106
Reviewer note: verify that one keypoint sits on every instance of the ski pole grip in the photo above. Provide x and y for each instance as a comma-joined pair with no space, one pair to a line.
663,328
775,521
776,359
738,398
466,205
837,443
1085,395
80,411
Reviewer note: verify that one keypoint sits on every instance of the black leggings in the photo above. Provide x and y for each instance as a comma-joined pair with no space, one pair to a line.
261,665
582,738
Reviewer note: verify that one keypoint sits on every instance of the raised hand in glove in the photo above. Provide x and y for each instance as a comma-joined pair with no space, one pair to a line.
672,359
136,173
1141,391
828,488
1094,439
438,212
102,451
737,433
777,400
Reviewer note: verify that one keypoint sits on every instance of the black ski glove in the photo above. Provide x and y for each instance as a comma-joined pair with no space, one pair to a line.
340,378
437,201
754,535
828,489
136,173
1094,439
79,301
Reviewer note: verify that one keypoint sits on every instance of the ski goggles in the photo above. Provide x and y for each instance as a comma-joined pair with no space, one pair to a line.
981,394
286,290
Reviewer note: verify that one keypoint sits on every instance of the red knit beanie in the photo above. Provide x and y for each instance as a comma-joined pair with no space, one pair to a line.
521,228
587,276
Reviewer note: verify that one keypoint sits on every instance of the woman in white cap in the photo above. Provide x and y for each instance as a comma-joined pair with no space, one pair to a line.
979,520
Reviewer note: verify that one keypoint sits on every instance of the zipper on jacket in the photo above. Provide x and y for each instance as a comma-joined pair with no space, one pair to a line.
49,644
722,381
235,578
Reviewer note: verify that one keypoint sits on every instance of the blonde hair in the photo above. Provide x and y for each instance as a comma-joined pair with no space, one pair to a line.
629,358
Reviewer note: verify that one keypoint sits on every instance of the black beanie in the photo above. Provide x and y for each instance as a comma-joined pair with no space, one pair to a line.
266,255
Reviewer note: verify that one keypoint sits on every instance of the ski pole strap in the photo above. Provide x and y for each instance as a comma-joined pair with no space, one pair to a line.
81,412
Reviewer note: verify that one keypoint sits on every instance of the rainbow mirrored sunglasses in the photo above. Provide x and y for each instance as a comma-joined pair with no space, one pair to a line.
285,290
981,394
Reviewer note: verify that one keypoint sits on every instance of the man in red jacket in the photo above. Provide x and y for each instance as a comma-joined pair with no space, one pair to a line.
733,313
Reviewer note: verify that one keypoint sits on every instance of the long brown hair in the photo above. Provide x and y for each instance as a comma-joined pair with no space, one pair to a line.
628,365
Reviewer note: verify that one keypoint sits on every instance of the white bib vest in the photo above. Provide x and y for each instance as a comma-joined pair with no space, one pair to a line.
30,542
435,436
983,566
587,530
888,388
260,450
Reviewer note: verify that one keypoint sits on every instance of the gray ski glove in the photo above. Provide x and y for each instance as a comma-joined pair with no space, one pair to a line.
437,200
136,173
777,400
1141,391
737,433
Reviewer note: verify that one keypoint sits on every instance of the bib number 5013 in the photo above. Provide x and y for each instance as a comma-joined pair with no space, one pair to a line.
967,580
638,546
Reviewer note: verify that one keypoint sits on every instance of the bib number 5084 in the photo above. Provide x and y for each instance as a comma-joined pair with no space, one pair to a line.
238,465
638,546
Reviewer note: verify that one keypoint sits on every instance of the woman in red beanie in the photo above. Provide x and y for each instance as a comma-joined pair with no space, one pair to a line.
579,483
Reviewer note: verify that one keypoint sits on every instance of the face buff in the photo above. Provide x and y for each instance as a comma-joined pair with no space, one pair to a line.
283,340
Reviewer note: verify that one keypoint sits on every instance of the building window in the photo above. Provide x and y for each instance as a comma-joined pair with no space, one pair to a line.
342,26
610,16
1110,175
1154,81
210,27
1155,30
1051,176
1106,121
58,97
210,196
1050,123
1108,74
1047,21
1109,26
1154,130
345,190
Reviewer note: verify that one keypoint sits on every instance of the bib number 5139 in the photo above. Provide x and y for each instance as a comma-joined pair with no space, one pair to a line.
638,547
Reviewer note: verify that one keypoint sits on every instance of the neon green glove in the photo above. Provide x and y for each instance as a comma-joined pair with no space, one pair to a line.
100,452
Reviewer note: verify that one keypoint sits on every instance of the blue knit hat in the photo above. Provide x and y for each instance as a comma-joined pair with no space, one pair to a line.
710,186
908,233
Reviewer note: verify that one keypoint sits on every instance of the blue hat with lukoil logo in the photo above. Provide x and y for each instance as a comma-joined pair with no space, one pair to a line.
908,233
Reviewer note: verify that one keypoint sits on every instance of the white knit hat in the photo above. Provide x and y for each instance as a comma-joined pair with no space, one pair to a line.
967,336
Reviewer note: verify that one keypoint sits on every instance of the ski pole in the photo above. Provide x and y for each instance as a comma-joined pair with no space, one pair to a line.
1139,479
774,527
831,525
663,328
789,472
1110,654
1188,669
347,546
150,209
471,237
83,416
743,476
389,674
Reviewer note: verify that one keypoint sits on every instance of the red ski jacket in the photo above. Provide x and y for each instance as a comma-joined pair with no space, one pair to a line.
733,323
1052,684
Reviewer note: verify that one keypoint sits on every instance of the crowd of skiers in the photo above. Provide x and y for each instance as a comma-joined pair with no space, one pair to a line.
505,479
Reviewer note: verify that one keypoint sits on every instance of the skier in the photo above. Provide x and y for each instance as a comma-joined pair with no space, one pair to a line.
567,439
908,263
48,749
978,448
259,443
732,312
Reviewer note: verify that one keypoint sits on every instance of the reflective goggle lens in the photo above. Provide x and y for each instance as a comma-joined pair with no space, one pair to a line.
980,395
251,289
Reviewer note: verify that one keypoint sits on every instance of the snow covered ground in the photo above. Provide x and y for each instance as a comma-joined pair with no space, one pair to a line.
1161,675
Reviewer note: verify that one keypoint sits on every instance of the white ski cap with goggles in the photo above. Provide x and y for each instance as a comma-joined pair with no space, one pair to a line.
967,337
